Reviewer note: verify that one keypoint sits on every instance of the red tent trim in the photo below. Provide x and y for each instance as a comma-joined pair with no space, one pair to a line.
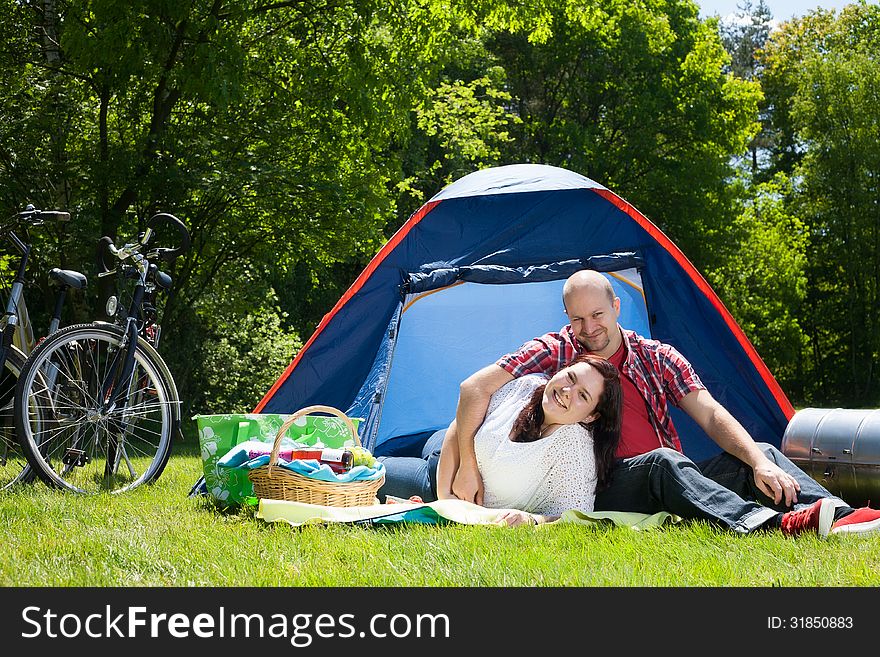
710,294
377,260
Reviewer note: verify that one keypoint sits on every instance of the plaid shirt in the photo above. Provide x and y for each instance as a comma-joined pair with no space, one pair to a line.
658,370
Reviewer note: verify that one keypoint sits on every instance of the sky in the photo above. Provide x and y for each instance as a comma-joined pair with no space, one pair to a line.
782,10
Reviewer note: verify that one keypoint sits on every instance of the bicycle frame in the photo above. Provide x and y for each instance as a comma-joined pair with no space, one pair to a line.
118,387
12,325
114,404
13,319
120,372
17,330
17,339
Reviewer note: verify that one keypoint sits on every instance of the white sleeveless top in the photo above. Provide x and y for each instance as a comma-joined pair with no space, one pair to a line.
547,476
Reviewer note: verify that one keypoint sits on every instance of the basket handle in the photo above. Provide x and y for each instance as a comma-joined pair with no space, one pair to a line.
308,410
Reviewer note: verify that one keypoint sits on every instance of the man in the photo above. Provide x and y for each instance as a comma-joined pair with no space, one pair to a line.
748,486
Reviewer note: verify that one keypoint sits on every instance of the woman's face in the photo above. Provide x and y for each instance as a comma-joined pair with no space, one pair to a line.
572,394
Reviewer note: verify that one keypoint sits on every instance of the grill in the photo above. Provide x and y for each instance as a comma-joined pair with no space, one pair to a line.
839,448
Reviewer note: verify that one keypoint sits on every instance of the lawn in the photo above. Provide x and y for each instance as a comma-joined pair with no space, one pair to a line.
157,536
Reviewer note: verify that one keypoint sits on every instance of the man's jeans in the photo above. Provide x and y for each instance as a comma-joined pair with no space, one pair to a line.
411,475
721,489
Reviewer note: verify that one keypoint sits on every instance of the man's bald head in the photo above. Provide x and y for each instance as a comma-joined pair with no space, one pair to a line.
592,310
586,280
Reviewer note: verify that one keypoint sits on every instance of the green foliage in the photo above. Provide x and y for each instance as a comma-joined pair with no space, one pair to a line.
294,138
461,127
632,95
469,120
266,127
744,38
240,358
761,276
232,345
825,73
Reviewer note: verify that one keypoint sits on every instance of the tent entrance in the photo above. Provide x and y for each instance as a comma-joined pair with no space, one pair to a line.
452,322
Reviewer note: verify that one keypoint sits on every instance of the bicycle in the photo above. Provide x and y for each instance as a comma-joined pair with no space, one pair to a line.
18,340
96,406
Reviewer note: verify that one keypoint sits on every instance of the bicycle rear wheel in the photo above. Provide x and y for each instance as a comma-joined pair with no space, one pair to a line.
71,439
14,468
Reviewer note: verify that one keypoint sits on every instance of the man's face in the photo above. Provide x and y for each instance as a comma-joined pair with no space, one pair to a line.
593,317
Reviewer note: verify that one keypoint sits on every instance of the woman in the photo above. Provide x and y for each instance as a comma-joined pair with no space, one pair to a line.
545,446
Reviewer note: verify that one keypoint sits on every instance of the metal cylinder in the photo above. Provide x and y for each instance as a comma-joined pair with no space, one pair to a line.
839,448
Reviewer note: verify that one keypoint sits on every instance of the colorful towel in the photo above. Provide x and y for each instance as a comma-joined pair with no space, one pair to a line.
439,512
238,458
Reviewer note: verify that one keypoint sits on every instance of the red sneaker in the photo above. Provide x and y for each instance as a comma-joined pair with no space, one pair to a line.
818,517
861,521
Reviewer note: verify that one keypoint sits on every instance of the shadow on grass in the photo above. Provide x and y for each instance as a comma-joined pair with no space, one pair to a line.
186,447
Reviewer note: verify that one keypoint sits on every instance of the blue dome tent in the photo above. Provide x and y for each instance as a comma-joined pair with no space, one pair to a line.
477,271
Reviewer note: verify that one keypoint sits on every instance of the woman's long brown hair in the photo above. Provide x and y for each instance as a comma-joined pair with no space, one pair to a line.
605,428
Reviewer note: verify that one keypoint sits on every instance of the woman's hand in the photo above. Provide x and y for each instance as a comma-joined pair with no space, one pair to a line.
514,518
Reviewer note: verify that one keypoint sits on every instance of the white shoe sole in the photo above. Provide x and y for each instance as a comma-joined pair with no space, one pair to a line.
826,516
859,528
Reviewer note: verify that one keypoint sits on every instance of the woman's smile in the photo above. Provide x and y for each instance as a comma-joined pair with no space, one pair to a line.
558,399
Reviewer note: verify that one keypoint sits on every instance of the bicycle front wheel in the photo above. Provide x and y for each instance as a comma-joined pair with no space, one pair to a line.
14,468
72,438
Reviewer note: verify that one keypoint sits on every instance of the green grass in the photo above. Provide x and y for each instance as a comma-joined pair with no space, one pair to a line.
156,536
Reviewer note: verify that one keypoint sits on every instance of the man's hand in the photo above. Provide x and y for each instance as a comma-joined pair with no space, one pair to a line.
732,437
776,484
473,401
468,484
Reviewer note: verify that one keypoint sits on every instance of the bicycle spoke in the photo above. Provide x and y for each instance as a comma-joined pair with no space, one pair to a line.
14,468
87,446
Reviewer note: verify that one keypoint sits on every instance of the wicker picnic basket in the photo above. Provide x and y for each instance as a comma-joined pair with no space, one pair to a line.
276,483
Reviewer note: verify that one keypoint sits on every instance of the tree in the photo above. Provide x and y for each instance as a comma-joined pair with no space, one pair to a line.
634,96
744,37
826,73
762,276
266,126
294,137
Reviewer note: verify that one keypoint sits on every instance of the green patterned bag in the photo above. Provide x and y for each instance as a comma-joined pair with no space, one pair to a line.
220,433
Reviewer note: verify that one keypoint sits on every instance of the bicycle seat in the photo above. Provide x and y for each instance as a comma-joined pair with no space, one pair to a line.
69,278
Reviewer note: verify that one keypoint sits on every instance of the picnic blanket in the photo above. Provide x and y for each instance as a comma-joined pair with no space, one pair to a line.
439,513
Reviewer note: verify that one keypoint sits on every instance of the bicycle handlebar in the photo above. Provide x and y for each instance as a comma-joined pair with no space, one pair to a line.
164,218
36,217
106,245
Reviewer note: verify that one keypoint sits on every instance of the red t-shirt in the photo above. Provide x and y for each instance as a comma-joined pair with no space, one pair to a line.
637,434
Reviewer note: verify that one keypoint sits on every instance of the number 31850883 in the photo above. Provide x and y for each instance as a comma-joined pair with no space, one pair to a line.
820,622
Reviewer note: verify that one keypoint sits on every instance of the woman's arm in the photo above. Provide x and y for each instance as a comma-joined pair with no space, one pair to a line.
447,466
